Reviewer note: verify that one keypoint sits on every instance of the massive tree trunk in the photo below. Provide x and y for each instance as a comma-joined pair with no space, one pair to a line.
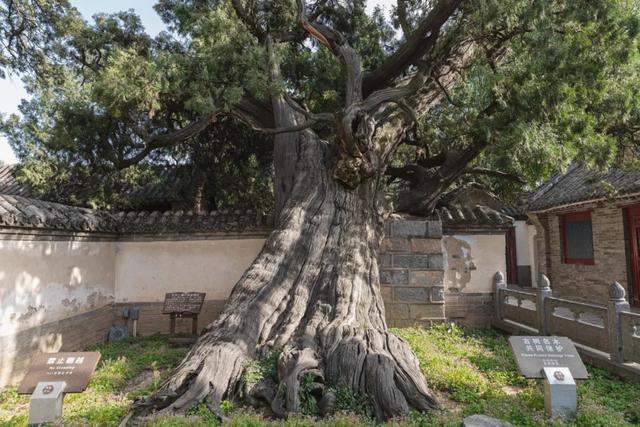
312,294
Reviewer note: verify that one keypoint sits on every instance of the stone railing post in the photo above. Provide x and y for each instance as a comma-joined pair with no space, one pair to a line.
544,291
617,303
498,285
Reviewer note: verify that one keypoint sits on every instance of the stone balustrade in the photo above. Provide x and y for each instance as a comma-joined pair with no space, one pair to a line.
608,335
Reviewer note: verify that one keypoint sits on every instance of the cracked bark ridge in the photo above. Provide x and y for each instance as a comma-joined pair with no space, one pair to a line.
312,292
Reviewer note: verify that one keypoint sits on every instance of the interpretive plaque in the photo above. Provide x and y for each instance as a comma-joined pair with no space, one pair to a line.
534,353
75,369
183,305
183,302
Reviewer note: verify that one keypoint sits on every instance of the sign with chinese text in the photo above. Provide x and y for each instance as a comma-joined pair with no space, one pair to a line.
183,302
75,369
535,353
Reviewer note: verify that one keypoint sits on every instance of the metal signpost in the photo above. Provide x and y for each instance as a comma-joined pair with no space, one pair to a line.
50,376
556,360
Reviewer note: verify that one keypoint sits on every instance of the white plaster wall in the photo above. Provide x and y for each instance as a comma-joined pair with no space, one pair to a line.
44,281
146,270
523,250
472,260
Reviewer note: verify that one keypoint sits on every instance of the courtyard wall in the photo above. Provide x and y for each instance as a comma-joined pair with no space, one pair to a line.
64,290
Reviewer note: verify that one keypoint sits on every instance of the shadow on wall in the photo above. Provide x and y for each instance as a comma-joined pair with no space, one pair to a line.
17,350
460,263
41,283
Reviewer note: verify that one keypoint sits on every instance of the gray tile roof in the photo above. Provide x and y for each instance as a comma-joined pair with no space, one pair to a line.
22,212
189,222
9,184
581,184
473,218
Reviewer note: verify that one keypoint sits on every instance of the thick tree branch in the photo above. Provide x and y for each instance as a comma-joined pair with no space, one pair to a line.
168,139
433,161
417,44
394,94
248,110
314,119
403,18
338,44
413,174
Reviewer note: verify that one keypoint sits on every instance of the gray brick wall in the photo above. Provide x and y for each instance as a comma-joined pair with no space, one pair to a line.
411,272
470,309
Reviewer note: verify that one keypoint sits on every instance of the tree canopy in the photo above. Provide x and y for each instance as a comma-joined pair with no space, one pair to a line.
543,83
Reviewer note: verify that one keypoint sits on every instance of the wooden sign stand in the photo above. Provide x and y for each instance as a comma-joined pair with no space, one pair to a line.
180,305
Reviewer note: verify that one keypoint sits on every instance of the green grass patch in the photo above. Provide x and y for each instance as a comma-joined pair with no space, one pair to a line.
471,370
475,369
110,391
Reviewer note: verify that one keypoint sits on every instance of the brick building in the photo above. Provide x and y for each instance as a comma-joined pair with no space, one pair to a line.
588,232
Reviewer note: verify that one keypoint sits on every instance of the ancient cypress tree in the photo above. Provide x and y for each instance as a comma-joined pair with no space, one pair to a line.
446,89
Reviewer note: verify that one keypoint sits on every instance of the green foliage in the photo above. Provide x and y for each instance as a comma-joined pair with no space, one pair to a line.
563,76
564,89
308,401
256,370
349,401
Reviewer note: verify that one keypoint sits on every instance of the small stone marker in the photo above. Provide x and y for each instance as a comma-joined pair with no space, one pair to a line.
557,361
50,375
560,398
46,402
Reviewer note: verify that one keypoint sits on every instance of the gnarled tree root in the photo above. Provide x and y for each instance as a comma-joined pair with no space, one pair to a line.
373,363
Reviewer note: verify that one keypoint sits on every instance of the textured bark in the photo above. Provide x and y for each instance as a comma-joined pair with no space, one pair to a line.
312,292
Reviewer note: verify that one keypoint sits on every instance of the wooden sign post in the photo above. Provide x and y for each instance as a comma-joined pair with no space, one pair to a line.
183,305
50,376
557,361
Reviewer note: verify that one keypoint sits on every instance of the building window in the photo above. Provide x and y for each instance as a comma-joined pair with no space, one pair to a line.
577,238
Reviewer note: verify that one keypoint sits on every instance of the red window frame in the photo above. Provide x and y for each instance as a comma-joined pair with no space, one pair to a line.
570,217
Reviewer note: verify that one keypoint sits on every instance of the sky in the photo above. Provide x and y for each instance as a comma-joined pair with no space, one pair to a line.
11,90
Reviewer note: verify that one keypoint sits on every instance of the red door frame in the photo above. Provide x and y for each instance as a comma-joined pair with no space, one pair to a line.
633,228
512,257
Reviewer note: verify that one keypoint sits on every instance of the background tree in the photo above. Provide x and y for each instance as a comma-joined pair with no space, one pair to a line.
461,87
